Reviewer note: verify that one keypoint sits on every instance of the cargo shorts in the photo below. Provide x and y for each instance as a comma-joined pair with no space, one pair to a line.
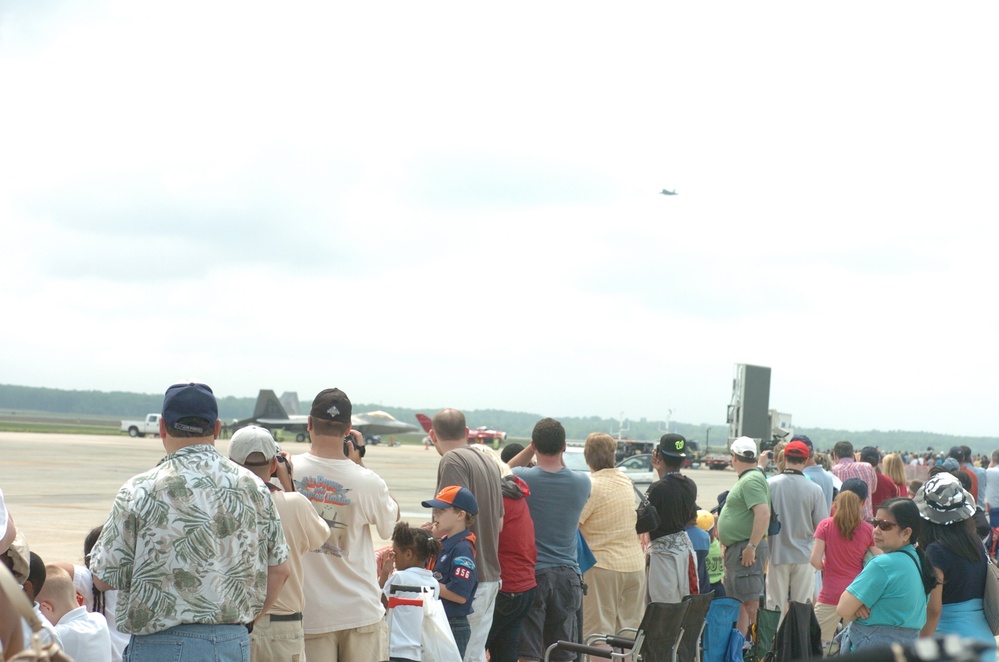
745,583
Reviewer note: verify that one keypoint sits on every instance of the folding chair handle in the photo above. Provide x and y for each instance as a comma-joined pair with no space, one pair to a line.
572,646
619,642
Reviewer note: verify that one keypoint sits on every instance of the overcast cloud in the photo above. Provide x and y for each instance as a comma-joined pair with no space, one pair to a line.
456,204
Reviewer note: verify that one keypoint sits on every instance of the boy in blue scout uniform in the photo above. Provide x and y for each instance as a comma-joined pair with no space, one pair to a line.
454,511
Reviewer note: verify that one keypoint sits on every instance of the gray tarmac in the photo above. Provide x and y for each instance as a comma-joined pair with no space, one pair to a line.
59,486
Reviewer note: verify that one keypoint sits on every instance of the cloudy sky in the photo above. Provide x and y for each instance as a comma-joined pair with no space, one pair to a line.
457,204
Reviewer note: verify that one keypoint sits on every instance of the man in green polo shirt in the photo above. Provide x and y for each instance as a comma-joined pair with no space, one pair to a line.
742,529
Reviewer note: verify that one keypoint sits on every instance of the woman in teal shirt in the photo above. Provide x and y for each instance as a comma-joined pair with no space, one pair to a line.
886,603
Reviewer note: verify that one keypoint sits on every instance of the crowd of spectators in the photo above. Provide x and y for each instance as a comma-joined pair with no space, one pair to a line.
216,552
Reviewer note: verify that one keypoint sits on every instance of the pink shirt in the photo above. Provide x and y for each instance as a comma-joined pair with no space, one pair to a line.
843,559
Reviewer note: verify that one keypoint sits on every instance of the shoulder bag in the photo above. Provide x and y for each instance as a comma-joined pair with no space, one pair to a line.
990,602
648,516
34,650
438,641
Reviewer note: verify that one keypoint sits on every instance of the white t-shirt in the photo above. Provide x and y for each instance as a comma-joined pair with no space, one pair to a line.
341,577
406,619
47,634
84,635
83,581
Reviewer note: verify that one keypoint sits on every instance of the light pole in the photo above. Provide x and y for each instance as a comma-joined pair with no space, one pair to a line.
707,439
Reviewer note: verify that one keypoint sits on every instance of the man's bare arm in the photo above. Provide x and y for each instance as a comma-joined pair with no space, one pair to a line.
523,458
277,575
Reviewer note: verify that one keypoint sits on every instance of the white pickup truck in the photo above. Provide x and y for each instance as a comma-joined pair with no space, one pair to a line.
141,428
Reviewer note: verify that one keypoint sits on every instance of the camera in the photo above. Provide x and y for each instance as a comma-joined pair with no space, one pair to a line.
283,460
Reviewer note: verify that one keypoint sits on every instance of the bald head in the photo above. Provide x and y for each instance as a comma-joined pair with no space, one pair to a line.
449,425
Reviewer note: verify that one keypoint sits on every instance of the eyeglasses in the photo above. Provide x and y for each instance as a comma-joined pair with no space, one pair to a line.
882,524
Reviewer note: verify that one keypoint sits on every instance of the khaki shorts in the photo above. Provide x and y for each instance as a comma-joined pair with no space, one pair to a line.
368,642
277,640
744,583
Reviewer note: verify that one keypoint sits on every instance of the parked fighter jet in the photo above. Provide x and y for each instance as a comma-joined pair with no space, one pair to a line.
272,413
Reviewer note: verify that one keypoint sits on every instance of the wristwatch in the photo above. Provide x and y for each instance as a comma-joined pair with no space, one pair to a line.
750,544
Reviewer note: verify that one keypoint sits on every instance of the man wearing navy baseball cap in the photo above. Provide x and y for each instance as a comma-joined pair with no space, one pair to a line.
198,533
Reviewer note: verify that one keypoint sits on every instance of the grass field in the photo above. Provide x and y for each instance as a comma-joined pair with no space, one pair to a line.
44,422
32,421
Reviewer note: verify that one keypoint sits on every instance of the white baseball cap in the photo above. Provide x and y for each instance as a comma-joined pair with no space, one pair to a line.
745,448
251,439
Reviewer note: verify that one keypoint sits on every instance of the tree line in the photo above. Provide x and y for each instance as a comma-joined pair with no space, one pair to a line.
122,404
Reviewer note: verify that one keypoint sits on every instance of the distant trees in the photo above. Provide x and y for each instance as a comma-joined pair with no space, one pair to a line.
119,404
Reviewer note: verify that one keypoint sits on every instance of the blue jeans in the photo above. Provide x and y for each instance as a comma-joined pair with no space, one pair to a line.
508,616
461,630
191,643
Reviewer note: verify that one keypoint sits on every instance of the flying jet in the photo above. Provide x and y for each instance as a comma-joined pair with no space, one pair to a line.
665,192
273,413
478,435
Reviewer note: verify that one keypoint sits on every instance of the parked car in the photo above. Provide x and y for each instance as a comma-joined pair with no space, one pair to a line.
574,459
639,469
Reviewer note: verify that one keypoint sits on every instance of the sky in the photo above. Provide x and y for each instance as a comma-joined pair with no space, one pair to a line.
457,204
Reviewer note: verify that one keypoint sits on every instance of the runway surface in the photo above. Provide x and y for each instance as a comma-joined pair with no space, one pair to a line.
59,486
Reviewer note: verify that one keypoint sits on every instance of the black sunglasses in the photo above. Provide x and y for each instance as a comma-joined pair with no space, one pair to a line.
882,524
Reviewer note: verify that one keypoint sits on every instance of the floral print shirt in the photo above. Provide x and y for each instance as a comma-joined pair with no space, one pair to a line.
189,541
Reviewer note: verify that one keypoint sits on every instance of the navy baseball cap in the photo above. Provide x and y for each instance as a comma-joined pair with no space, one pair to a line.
190,401
803,438
857,486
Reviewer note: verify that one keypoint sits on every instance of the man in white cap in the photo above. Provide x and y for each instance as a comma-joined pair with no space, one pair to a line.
742,529
277,633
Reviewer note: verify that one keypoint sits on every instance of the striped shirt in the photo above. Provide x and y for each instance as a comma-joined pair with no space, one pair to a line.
847,468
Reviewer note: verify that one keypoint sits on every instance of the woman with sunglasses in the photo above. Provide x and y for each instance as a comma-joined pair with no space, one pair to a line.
886,603
959,560
841,542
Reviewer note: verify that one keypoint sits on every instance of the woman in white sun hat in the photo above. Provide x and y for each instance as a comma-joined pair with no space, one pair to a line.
959,560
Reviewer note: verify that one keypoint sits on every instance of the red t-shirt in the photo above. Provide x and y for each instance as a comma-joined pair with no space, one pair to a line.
843,559
886,489
517,552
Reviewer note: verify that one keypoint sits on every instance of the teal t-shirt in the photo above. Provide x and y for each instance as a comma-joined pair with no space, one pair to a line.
735,523
891,586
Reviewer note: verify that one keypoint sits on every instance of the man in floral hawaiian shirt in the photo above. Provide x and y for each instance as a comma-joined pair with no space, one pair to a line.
194,546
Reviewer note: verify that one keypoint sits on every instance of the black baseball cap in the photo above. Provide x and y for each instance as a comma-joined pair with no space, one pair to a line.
673,445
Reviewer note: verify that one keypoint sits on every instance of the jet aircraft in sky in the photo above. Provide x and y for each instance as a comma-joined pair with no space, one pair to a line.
665,192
